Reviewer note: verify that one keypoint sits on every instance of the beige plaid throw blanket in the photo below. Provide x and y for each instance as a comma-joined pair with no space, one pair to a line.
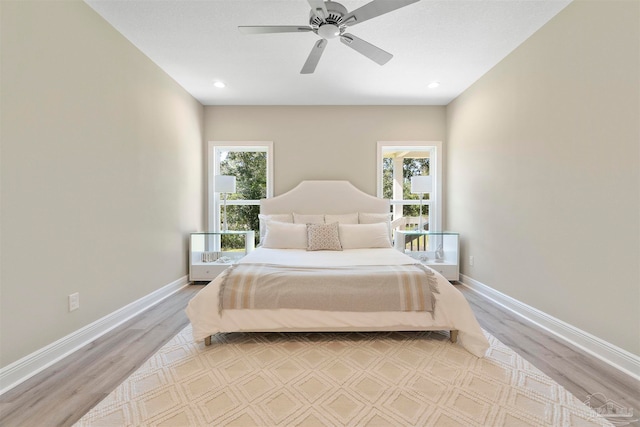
356,288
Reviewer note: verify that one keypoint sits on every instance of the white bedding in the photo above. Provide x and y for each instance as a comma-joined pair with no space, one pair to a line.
452,310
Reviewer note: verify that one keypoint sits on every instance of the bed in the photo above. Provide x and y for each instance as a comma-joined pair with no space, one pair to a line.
353,213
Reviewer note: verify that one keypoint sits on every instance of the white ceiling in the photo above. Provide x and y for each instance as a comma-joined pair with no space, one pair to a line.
451,41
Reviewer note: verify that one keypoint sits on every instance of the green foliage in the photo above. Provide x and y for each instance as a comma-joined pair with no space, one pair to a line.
387,178
410,167
250,170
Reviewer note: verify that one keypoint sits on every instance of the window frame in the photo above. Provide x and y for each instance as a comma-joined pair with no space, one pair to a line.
435,201
214,201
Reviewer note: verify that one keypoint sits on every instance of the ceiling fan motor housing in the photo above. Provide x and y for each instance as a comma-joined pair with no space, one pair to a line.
332,25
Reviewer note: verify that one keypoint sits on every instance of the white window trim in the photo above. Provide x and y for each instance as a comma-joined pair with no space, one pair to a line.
213,169
435,171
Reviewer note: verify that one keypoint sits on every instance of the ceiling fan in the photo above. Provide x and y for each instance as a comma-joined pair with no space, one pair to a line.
330,20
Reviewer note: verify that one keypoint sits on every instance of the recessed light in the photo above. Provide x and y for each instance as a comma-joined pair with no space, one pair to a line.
219,84
433,85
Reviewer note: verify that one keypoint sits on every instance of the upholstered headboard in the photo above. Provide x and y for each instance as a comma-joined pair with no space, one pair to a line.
324,197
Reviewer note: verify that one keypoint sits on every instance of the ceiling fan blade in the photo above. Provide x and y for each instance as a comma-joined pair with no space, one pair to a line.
372,52
266,29
373,9
319,8
312,61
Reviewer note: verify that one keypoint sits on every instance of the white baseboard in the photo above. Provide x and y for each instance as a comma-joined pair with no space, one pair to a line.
615,356
23,369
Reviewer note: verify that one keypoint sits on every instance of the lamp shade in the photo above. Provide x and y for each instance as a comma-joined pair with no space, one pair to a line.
224,184
421,184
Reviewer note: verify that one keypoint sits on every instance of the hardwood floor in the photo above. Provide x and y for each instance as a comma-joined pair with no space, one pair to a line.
63,393
571,367
60,395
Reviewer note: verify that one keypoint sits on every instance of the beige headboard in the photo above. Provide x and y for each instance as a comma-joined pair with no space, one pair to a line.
324,197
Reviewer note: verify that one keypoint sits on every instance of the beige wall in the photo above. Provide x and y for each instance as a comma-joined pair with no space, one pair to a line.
102,165
543,181
325,142
102,168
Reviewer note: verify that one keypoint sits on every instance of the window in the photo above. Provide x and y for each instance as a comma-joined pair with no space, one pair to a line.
397,163
251,164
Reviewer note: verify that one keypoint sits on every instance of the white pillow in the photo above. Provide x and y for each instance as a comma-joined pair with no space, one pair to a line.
373,218
273,217
360,236
307,219
281,235
351,218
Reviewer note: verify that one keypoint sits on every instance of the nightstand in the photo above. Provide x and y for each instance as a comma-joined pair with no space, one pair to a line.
439,250
210,253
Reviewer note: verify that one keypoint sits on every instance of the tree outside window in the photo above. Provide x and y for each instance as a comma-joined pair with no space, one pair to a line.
250,171
411,166
399,164
250,164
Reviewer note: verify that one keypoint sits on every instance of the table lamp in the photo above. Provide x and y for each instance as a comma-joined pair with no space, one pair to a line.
421,184
224,184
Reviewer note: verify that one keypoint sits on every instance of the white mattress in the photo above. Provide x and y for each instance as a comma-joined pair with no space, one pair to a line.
452,310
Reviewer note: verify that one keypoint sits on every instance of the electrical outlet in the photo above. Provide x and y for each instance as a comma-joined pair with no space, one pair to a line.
471,260
74,301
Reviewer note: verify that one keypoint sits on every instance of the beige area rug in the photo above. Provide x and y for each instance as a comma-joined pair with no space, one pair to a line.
337,379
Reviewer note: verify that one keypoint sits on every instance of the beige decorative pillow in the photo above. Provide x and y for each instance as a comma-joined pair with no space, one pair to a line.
323,237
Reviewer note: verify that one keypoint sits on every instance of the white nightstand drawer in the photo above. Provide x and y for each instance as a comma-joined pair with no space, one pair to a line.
207,271
427,246
207,248
450,272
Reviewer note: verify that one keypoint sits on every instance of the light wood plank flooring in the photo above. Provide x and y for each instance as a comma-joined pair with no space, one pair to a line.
576,370
60,395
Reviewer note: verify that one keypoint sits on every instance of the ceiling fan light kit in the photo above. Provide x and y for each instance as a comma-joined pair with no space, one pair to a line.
328,31
330,20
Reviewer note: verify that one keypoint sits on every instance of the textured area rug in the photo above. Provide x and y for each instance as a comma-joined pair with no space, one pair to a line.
337,379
